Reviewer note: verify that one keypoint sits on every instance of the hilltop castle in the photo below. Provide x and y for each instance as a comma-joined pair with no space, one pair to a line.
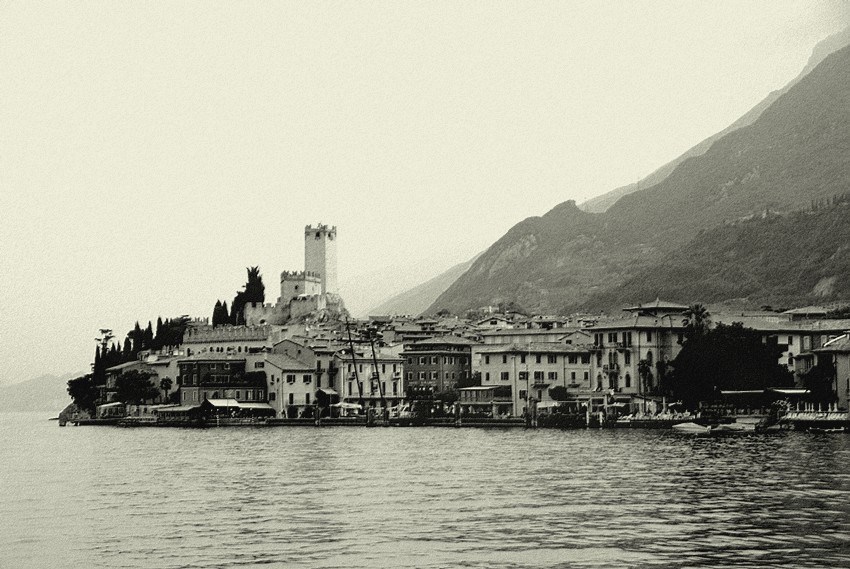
304,292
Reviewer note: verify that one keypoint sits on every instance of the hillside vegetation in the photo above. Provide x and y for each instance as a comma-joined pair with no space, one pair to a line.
795,152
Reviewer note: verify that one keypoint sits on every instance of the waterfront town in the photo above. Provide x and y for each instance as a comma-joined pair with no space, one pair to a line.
303,359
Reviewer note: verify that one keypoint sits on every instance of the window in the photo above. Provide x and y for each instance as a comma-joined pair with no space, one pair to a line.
249,395
790,340
573,376
522,359
627,358
395,388
538,376
504,358
487,376
453,376
290,378
572,358
539,394
292,399
185,395
237,395
585,358
505,376
421,376
435,376
410,376
307,378
522,394
553,376
350,387
537,358
523,376
307,398
383,368
435,360
272,395
447,376
259,365
586,376
552,359
226,366
212,366
628,380
486,359
423,361
649,336
410,361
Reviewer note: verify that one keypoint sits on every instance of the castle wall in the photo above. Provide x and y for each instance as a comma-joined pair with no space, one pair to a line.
257,314
296,283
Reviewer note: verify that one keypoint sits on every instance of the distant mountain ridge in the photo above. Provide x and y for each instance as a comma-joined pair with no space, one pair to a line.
794,152
47,393
414,301
601,203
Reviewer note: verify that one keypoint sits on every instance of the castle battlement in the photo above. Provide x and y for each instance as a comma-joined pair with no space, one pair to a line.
300,276
225,334
321,229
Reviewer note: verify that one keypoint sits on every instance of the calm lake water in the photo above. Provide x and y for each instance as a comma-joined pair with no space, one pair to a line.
394,497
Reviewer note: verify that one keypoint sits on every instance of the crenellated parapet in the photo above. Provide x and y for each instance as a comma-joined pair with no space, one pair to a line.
225,334
320,230
300,276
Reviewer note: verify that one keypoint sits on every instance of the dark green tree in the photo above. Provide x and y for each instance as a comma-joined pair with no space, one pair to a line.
729,357
134,387
558,393
165,385
697,321
819,380
84,393
147,338
255,291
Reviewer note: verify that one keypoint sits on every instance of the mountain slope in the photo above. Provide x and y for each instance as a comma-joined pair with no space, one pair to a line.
794,152
762,261
44,393
417,299
829,45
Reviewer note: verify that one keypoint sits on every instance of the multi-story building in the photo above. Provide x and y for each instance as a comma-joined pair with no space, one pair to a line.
219,376
291,384
531,370
652,333
375,379
436,364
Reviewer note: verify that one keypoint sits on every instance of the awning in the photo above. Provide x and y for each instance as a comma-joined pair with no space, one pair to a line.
178,409
223,402
328,391
549,404
255,406
790,391
344,405
111,405
538,384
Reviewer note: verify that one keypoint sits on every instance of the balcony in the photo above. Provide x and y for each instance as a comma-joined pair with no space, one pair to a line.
611,368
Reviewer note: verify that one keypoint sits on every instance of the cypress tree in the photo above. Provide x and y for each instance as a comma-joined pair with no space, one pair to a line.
147,339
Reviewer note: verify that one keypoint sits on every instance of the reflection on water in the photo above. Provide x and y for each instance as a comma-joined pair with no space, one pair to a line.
356,497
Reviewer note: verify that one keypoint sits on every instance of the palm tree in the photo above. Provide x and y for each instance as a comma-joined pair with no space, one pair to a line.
165,385
644,369
696,321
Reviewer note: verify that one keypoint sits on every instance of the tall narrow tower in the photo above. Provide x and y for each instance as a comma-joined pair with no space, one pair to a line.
320,255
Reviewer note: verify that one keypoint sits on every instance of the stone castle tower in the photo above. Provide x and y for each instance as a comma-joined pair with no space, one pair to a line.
320,256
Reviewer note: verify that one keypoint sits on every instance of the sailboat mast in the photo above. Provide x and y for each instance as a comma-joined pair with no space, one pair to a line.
354,362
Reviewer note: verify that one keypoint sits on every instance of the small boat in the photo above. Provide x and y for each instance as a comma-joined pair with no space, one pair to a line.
692,428
824,430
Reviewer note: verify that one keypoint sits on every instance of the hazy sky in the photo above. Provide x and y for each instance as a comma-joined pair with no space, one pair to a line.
150,151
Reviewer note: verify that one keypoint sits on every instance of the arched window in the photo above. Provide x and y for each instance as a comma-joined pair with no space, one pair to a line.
628,380
649,357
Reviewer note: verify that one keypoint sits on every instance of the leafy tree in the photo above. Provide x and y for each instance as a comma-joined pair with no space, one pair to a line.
818,380
84,393
255,291
558,393
473,380
729,357
165,385
134,387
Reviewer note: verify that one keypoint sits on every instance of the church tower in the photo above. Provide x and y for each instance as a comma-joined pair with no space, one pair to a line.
320,255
